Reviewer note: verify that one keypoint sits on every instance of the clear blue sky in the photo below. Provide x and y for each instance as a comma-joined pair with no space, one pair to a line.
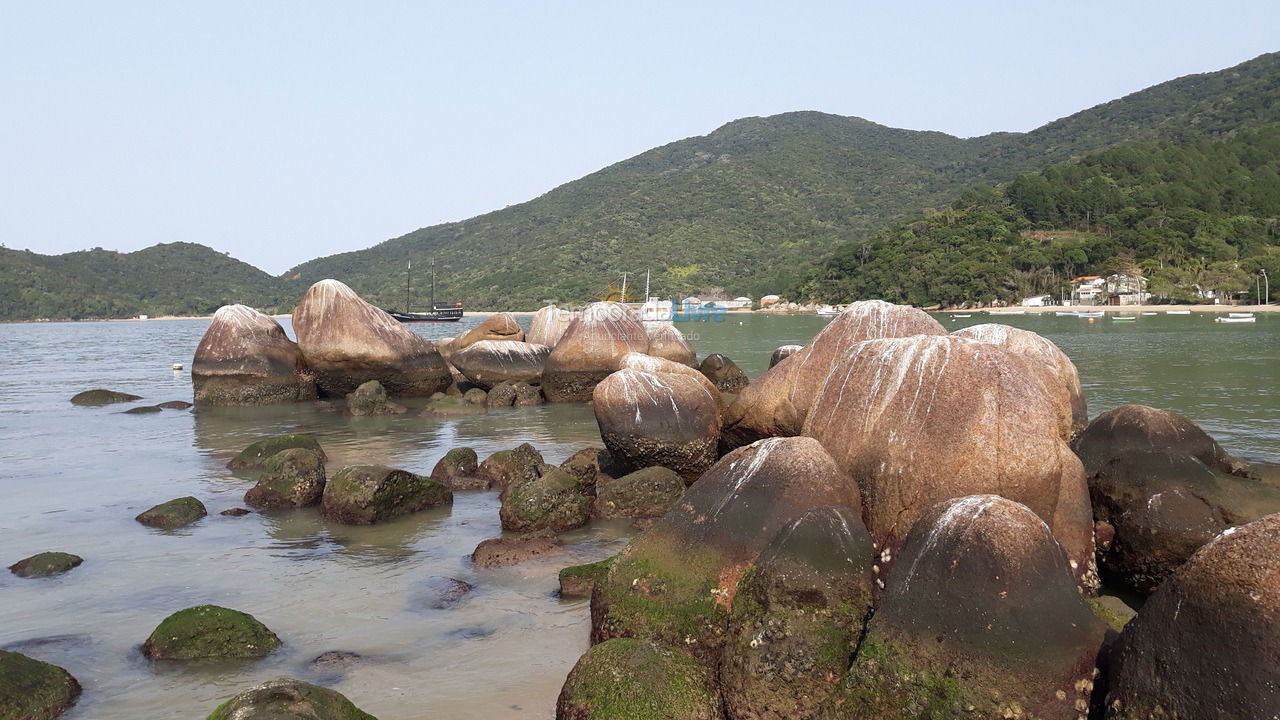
282,131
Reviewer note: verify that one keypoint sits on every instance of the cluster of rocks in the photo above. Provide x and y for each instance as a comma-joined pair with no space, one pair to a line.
101,397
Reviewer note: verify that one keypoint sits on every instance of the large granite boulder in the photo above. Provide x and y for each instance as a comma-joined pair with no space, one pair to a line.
643,495
782,352
590,349
292,478
667,342
723,373
556,501
776,403
664,419
641,362
675,583
347,342
209,631
489,362
365,494
797,617
630,679
498,327
289,699
980,618
1206,645
245,358
34,690
922,419
1046,361
548,325
46,564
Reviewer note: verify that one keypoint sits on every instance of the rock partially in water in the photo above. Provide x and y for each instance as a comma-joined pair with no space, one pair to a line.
668,343
440,592
548,325
782,352
643,495
334,661
245,358
675,583
592,466
371,399
1206,645
289,699
34,690
142,410
502,551
256,455
235,512
175,513
528,395
347,342
556,501
580,580
210,631
723,373
441,405
631,679
590,350
46,564
488,363
501,395
292,478
175,405
365,494
100,397
981,617
649,419
457,470
797,617
498,327
508,467
475,396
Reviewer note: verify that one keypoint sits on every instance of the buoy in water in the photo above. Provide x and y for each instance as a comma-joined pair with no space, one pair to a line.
177,366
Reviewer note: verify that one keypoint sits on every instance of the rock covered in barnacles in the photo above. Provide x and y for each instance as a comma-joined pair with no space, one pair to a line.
548,325
488,363
498,327
245,358
782,352
662,419
630,679
667,342
723,373
346,342
590,350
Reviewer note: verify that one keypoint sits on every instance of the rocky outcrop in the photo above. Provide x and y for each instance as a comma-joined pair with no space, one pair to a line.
256,455
503,551
580,580
649,419
371,399
797,617
590,350
175,513
498,327
979,618
643,495
667,342
292,478
457,470
347,342
46,564
776,404
1206,645
210,631
488,362
556,501
289,698
34,690
630,679
782,352
1046,361
723,373
365,494
675,583
245,358
548,325
100,397
509,467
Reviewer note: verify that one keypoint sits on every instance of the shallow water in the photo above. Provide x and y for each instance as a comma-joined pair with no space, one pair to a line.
73,479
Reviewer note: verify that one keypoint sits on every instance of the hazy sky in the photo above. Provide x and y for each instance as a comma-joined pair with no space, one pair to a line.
283,131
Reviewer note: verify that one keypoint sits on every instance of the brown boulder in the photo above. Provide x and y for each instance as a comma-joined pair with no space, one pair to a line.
650,364
347,342
488,362
245,358
548,326
643,495
502,551
590,350
498,327
782,352
651,419
667,342
723,373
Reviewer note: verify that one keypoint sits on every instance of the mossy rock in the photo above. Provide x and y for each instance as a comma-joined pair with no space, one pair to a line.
209,631
289,699
554,502
510,467
642,495
100,397
580,580
501,395
45,564
450,406
457,469
34,690
371,399
365,494
291,478
632,679
175,513
1112,610
475,396
255,456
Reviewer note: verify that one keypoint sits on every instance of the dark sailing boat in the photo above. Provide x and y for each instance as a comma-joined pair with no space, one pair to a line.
449,312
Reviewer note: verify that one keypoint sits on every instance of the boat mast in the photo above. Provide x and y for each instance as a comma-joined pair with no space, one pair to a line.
408,273
646,285
624,287
433,283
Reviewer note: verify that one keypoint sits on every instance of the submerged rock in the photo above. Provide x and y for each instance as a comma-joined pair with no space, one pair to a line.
580,580
501,551
651,419
548,325
245,358
668,343
46,564
441,592
508,467
498,327
210,631
782,352
631,679
365,494
347,342
175,405
642,495
97,398
142,410
555,501
175,513
292,478
590,350
256,455
528,395
371,399
235,512
289,699
488,363
441,405
1206,645
34,690
457,470
723,373
980,618
334,661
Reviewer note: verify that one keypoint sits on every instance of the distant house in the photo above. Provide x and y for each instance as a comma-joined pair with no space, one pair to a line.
1037,301
768,300
1125,289
737,303
1088,290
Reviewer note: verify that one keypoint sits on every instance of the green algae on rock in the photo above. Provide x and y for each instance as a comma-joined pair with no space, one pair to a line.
365,494
209,631
508,467
580,580
290,479
502,551
441,405
34,690
371,399
457,470
633,679
289,699
255,456
100,397
175,513
642,495
45,564
555,501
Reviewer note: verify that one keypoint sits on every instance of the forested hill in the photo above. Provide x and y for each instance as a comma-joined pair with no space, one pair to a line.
168,279
746,206
1190,215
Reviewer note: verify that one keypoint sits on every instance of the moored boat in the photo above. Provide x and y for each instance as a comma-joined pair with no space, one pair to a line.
1177,312
1236,319
448,312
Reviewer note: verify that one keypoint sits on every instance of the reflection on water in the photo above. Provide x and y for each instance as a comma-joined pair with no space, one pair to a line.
74,478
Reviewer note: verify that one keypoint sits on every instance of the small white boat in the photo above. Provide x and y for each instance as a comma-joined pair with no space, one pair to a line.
1091,314
828,311
1006,312
1121,318
960,316
1235,319
1177,312
1249,315
1069,313
1150,313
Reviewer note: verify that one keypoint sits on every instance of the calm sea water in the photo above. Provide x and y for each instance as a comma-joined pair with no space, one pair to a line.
73,479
